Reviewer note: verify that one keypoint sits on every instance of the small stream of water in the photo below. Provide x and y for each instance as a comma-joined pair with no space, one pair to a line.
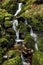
19,9
35,38
23,61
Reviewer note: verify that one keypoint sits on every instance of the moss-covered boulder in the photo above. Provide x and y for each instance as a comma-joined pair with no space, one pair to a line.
0,55
11,31
3,42
10,6
1,16
37,58
13,53
13,61
7,24
6,43
29,41
22,29
40,43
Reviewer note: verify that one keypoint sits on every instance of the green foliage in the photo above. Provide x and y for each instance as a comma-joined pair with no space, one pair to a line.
22,27
29,41
0,55
13,53
11,31
13,61
1,16
7,24
37,58
10,6
40,43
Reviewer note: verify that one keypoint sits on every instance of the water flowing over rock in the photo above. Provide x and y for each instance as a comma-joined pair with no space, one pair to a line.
35,38
23,60
19,9
26,21
15,24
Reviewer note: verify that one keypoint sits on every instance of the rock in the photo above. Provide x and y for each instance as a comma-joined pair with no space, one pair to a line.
29,41
40,43
37,58
13,61
11,31
7,24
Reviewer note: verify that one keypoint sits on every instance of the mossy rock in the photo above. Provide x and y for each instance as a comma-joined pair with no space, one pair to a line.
40,43
13,53
6,43
13,61
0,55
3,42
29,41
22,27
11,31
1,16
10,3
37,58
7,24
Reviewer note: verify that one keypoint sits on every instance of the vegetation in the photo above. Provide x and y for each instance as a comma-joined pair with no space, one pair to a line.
32,11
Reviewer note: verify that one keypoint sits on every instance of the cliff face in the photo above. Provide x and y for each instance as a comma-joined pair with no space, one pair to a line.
30,16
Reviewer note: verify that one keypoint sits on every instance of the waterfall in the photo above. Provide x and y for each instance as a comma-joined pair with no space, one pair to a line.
19,9
35,38
15,24
26,21
23,61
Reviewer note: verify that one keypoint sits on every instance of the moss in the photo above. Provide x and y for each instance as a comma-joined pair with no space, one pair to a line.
29,41
37,58
6,43
22,27
1,16
40,43
13,53
13,61
11,31
10,3
0,55
7,24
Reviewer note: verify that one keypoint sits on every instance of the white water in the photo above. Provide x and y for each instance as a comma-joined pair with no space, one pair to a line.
15,24
35,38
26,21
23,60
19,9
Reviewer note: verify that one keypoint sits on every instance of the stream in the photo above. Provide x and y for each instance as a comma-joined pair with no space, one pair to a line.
35,38
15,24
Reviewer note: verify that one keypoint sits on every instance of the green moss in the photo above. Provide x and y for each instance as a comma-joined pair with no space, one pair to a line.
7,24
22,27
5,2
13,53
1,15
3,40
37,58
29,41
10,31
10,6
13,61
40,43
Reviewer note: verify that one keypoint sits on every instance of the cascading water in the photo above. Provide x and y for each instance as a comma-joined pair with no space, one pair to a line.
15,24
26,21
35,38
19,9
23,60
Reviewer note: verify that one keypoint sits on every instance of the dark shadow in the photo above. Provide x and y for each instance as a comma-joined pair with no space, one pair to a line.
38,2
